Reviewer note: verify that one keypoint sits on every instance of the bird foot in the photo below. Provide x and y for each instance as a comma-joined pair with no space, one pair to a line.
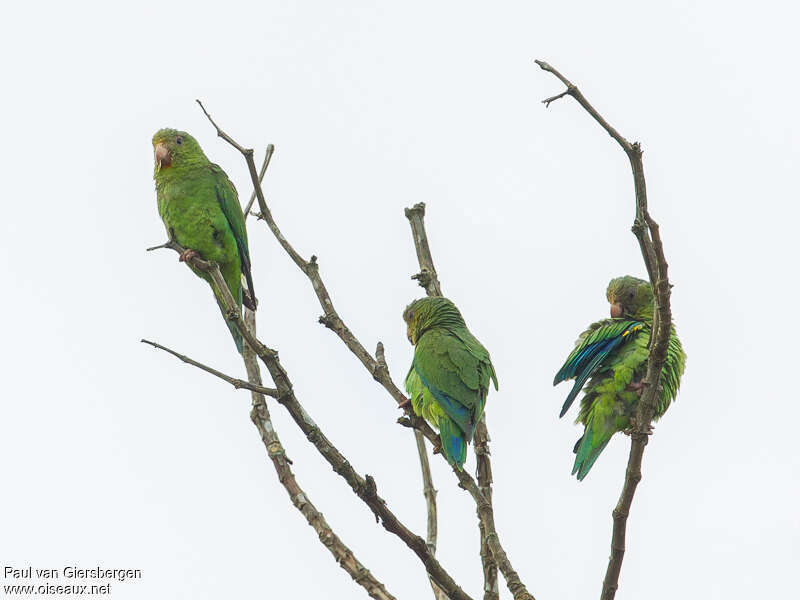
404,404
187,255
632,429
637,386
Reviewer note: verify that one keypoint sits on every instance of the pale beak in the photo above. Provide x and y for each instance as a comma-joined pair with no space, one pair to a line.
162,156
616,310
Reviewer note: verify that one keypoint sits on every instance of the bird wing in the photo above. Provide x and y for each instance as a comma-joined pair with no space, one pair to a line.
451,373
229,203
481,354
593,347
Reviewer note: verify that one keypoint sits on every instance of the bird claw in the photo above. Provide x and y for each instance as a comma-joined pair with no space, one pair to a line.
404,404
637,387
187,255
633,429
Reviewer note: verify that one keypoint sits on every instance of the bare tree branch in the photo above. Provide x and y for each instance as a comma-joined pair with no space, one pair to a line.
428,278
634,153
380,373
260,416
490,586
332,321
430,504
364,487
647,233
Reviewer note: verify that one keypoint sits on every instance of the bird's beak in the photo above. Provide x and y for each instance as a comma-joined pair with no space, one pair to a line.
409,336
616,310
163,159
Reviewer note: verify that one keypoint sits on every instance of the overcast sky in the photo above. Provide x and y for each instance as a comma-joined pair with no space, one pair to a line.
119,455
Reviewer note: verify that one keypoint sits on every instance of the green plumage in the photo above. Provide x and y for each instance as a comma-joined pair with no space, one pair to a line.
200,209
449,377
612,356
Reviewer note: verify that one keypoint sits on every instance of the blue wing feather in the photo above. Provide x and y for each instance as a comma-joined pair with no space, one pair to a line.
461,414
585,361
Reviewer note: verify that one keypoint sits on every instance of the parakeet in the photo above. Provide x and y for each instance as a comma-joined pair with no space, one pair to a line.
200,209
612,355
449,377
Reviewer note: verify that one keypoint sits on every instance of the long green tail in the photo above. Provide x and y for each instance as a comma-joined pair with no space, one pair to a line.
237,337
589,448
454,445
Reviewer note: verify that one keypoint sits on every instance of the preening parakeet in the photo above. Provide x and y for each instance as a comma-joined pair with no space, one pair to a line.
612,356
449,378
200,208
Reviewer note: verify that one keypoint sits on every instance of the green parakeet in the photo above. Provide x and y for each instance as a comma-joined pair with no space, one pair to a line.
449,378
200,208
612,356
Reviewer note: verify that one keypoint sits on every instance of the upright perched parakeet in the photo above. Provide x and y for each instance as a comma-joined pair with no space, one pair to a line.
200,208
449,378
612,355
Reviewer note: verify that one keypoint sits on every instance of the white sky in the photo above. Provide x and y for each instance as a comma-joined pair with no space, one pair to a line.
118,454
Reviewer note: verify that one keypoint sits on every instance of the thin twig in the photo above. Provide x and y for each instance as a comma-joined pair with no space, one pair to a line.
262,202
237,383
261,173
429,492
634,153
428,278
364,487
647,234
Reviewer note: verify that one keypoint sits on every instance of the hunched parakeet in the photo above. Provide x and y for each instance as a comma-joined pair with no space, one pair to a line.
612,356
449,377
200,209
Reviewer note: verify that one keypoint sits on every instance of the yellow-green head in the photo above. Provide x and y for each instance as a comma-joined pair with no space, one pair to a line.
427,313
630,297
175,149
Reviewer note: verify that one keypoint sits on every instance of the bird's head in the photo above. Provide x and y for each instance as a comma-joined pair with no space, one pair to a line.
426,313
173,148
630,297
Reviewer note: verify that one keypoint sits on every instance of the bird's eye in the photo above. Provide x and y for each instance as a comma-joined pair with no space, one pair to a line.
179,140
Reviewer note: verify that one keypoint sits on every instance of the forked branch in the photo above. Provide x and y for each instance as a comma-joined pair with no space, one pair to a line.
260,416
647,233
379,372
364,487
